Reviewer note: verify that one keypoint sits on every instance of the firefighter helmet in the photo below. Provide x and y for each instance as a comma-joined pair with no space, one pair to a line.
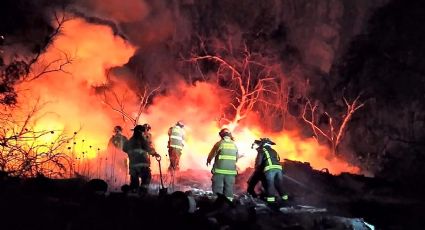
139,128
180,123
263,141
225,132
147,127
117,129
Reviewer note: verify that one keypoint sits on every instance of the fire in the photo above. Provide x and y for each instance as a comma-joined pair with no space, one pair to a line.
291,146
70,101
73,106
199,106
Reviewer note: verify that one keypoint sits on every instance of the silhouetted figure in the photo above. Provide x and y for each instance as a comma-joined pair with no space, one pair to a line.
268,161
118,139
139,151
257,176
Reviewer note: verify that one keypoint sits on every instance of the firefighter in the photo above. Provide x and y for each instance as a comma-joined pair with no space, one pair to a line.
175,145
147,135
118,139
115,146
139,151
225,154
268,161
256,176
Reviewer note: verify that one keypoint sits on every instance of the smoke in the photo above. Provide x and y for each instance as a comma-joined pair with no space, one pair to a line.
71,100
119,11
120,47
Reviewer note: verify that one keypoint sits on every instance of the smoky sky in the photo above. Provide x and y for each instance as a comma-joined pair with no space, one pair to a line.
333,48
168,31
28,23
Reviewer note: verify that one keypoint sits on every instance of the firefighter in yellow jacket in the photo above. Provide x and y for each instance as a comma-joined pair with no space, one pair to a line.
268,161
175,145
225,154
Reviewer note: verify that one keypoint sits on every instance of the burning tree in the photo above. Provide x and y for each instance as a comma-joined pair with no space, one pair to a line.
250,77
25,150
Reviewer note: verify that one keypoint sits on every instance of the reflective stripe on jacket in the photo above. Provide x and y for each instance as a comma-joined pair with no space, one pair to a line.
176,137
272,160
225,158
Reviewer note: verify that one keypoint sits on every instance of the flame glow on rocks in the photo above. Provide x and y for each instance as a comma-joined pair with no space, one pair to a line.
73,105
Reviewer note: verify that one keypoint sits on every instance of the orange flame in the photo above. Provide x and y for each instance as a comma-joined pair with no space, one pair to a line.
71,102
199,106
73,105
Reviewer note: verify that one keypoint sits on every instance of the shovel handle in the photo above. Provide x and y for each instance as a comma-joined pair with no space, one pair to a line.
158,157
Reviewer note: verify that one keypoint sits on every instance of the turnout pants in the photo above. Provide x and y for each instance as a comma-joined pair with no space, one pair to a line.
223,184
274,187
174,158
144,173
257,176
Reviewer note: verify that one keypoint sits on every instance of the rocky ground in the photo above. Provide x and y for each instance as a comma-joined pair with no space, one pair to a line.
318,200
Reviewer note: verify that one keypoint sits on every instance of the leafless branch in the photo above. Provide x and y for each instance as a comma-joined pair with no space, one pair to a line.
334,133
248,84
117,103
24,150
57,65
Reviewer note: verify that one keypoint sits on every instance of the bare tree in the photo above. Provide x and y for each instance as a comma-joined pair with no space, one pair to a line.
247,76
28,68
26,151
334,133
274,113
118,102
